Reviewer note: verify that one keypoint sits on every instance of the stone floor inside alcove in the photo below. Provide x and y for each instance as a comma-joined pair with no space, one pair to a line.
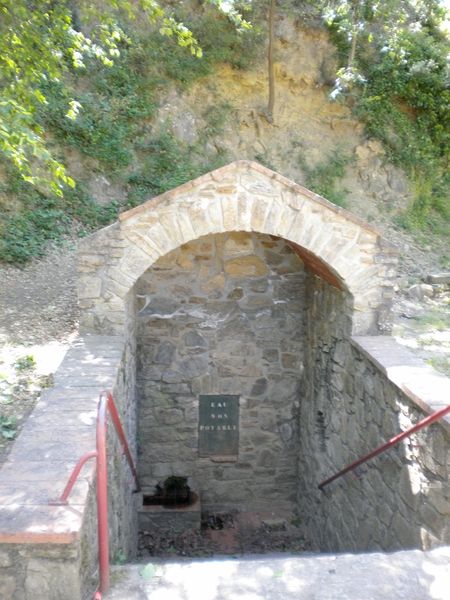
229,533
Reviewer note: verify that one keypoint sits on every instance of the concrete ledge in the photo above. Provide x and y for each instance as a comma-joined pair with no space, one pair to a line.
60,429
419,382
409,574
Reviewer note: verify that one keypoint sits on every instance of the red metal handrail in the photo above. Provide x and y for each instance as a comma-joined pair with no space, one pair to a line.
105,404
392,442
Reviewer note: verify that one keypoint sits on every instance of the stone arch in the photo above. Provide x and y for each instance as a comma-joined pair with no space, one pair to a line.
242,196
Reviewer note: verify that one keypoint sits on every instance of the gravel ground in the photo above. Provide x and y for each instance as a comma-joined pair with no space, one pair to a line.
38,319
38,301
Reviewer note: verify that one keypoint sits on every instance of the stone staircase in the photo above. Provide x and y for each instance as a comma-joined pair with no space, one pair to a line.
406,575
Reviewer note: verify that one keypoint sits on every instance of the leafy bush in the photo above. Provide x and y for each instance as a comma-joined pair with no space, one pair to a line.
402,93
115,108
26,232
23,363
117,100
405,104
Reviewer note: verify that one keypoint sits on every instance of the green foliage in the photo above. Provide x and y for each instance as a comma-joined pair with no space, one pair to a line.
106,124
323,178
45,45
121,98
216,117
120,558
8,427
165,164
440,363
43,219
23,363
38,46
402,91
113,108
222,43
405,104
219,39
434,320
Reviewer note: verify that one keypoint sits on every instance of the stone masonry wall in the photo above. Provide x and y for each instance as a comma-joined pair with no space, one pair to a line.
223,315
122,503
397,500
48,552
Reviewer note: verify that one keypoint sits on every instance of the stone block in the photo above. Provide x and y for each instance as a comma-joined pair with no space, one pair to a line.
169,416
271,355
43,580
260,387
245,266
216,283
432,519
438,497
89,287
193,339
266,458
170,520
260,210
439,278
165,353
238,244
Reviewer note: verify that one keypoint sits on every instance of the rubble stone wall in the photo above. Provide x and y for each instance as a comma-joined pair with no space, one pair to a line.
223,315
353,404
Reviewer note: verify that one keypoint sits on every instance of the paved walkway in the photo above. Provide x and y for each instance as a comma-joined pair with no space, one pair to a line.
407,575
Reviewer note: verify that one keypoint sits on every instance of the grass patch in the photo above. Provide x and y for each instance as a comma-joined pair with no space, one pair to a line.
439,321
440,363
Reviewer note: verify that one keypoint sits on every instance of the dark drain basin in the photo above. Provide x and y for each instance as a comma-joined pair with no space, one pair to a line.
172,508
173,492
173,502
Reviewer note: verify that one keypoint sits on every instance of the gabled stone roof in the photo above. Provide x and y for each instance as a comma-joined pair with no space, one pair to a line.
244,196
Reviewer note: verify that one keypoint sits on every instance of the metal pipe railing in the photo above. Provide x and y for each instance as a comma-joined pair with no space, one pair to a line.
102,499
63,499
392,442
106,404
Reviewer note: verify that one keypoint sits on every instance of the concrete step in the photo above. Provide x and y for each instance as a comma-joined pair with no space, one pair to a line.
411,575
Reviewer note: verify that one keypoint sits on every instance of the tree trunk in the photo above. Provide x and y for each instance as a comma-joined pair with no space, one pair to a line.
270,63
351,57
355,25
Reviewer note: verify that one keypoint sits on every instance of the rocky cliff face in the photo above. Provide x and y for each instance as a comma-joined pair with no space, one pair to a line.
309,129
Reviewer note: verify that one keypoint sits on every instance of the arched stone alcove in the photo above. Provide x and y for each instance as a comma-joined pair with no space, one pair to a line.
244,285
243,196
219,319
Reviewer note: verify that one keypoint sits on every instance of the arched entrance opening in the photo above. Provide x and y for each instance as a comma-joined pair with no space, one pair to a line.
231,334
